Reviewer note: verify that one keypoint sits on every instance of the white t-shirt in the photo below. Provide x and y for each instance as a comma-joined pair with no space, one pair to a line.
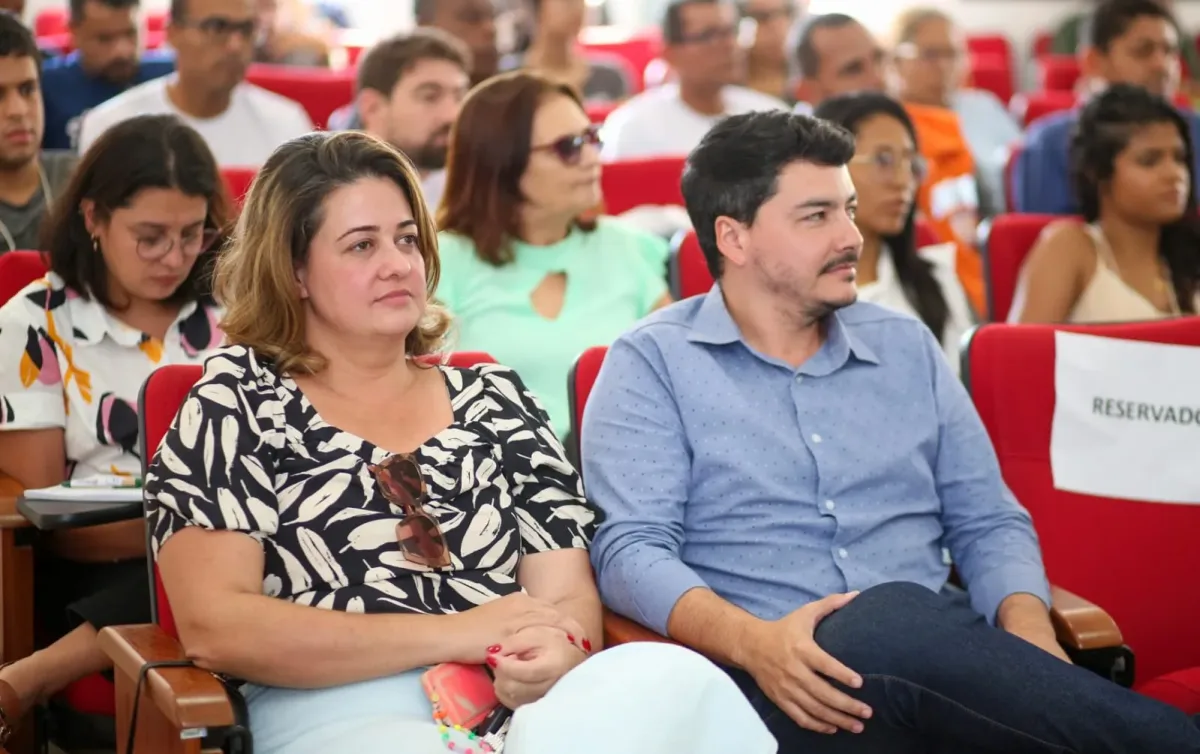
656,123
433,186
887,291
245,135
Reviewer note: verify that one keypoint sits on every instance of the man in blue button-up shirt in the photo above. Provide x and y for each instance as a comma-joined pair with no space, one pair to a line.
767,451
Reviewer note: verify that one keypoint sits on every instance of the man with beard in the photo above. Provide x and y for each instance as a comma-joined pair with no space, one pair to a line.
27,183
780,466
107,60
214,43
410,88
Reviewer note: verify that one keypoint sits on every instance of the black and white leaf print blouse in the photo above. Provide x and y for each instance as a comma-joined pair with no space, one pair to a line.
248,453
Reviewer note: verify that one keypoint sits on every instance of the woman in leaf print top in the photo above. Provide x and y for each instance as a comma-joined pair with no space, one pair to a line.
290,481
131,245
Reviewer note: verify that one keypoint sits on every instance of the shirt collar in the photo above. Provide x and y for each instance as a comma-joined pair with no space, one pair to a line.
714,325
92,323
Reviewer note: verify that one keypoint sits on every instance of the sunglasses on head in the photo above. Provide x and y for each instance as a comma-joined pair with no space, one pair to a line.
569,149
420,537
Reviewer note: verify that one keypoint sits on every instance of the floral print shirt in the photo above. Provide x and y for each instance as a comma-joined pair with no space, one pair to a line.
65,362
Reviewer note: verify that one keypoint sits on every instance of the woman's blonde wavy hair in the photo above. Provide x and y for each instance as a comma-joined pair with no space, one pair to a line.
256,274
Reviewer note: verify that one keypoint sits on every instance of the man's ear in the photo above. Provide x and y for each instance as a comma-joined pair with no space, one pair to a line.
732,240
371,108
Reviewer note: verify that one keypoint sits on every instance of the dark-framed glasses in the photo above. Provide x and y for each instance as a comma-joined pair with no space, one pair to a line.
193,243
420,537
221,28
569,149
888,163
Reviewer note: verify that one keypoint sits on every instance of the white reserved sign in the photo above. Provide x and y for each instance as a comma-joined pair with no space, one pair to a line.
1126,419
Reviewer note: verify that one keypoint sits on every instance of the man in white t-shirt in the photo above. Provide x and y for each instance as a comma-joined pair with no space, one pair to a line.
702,49
214,44
410,89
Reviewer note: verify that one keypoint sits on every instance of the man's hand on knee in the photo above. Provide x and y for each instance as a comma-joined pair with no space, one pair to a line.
794,672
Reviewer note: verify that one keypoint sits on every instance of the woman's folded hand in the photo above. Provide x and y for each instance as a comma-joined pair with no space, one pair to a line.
478,630
531,661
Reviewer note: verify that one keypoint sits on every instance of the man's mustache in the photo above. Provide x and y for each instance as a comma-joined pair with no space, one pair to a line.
846,257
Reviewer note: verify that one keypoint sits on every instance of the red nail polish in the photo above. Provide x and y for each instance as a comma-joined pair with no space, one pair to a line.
494,649
491,661
570,638
587,646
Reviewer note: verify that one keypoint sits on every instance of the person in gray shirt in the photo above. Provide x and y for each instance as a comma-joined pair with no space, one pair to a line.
28,178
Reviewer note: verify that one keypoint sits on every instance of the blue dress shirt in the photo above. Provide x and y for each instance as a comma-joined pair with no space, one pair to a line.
68,92
720,467
1042,179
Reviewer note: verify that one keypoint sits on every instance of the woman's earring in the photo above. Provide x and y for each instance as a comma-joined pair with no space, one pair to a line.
96,244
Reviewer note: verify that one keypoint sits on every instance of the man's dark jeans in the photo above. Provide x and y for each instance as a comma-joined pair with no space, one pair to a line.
940,680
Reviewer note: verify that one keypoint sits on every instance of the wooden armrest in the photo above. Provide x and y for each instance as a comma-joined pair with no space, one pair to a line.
620,630
1080,625
189,698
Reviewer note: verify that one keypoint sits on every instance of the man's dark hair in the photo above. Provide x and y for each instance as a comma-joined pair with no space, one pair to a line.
16,40
808,62
385,63
77,7
736,167
672,24
1112,18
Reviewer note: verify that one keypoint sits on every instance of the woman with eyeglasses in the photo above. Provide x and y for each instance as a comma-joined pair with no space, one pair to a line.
887,168
334,515
531,275
131,244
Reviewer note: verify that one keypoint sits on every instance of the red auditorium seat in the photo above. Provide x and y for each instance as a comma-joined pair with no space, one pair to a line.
156,21
1135,559
1058,73
1029,107
1042,42
993,73
237,182
17,270
637,49
1009,242
51,21
996,45
633,183
319,91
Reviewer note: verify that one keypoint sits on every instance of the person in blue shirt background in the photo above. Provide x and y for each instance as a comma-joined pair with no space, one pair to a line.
106,62
1128,42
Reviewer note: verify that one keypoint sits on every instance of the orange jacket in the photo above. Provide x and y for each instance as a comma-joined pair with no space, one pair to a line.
949,198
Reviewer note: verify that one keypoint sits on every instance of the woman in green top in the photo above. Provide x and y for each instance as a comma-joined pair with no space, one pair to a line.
531,278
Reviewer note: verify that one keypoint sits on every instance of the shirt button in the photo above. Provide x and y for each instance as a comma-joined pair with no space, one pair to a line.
829,505
799,379
816,438
842,553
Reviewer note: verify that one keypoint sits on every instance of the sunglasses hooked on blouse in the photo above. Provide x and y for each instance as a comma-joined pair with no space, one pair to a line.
569,149
420,537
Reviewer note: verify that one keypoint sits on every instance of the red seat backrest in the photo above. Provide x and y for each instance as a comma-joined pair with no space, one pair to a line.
17,270
237,182
156,21
689,273
579,386
925,234
1040,104
598,111
1058,73
159,402
50,22
993,73
1042,42
991,44
1137,560
1009,242
632,183
318,91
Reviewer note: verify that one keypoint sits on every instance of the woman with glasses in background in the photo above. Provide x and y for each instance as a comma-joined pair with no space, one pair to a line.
886,169
131,243
530,274
333,515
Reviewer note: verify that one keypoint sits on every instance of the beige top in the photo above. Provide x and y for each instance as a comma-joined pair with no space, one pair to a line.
1108,298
